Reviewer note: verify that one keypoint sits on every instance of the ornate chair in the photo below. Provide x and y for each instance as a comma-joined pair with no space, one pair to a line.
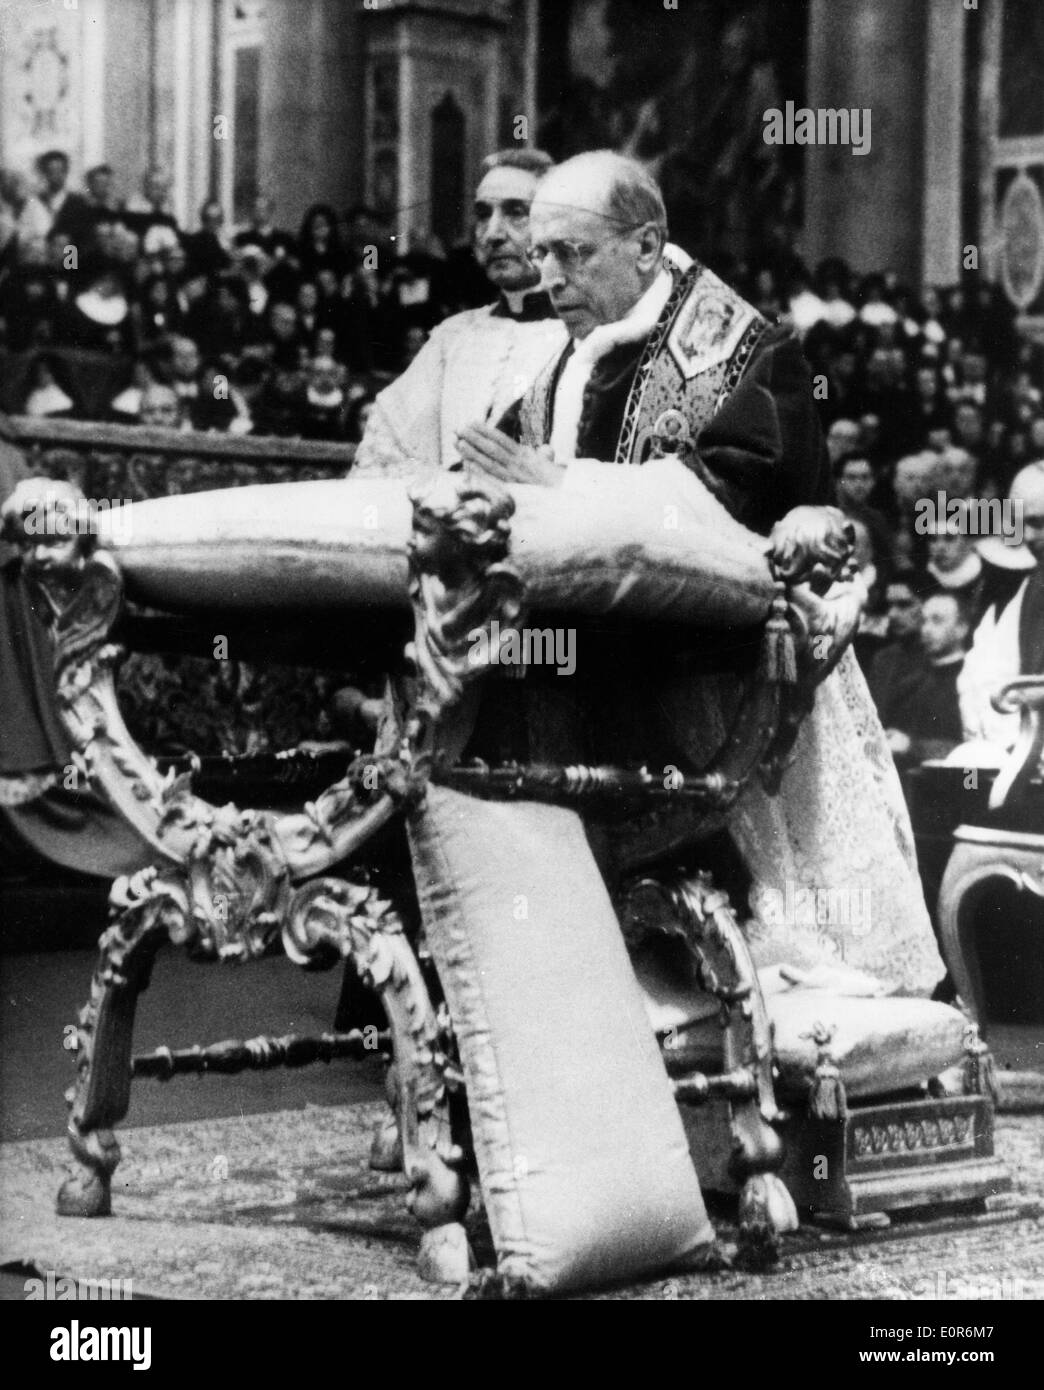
231,884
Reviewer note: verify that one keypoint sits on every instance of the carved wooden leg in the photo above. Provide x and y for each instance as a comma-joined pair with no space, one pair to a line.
386,1149
702,917
330,914
143,911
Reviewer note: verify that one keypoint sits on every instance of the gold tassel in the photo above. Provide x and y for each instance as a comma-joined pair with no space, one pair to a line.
778,656
980,1075
827,1100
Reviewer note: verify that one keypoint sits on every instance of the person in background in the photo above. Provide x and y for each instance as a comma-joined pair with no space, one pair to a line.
217,321
307,306
161,407
29,303
178,365
326,343
843,437
278,409
325,403
125,408
106,209
101,189
54,210
922,717
955,565
973,385
253,269
157,312
262,233
149,216
875,311
218,405
926,410
46,397
369,327
208,250
854,483
872,633
319,244
286,347
98,319
831,278
903,653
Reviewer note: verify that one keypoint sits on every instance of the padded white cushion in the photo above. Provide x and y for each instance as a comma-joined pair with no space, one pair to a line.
600,547
880,1043
584,1164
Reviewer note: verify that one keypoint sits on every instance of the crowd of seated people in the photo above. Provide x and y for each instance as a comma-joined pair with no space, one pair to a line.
259,330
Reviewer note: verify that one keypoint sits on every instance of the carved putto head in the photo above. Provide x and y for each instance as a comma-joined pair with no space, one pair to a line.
51,523
459,524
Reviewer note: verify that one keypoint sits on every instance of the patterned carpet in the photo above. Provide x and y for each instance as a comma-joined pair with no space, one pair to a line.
284,1206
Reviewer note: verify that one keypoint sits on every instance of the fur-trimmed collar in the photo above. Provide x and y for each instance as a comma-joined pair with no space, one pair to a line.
632,328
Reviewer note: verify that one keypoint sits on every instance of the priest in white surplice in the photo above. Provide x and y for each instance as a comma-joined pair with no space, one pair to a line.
475,363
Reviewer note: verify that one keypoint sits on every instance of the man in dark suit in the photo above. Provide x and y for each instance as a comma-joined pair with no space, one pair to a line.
921,716
55,211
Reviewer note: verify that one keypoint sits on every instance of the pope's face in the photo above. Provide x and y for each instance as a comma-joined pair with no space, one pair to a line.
502,203
591,268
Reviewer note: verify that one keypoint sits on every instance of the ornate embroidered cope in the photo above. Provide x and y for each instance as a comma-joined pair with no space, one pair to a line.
692,361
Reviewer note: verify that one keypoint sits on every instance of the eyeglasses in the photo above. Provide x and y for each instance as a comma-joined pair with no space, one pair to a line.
573,255
570,255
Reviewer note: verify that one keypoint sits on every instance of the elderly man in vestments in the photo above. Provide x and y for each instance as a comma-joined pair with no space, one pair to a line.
709,410
477,362
664,359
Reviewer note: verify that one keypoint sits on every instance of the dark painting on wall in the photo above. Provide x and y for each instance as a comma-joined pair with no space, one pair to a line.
685,91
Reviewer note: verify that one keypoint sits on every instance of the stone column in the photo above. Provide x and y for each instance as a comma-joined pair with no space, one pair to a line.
943,107
868,208
311,105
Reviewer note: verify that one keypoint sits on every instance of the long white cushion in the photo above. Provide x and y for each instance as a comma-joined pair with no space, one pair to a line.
650,542
584,1164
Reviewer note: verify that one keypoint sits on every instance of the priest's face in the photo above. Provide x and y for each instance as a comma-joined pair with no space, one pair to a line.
594,270
502,204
